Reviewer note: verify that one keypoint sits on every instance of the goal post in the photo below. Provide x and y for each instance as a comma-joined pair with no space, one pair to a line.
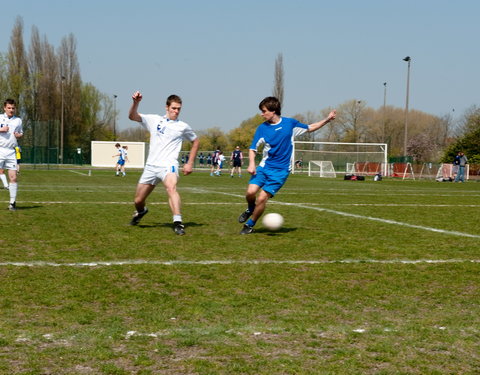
346,157
321,168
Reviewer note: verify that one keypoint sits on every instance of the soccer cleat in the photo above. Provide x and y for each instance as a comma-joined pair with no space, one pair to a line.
12,207
6,188
247,229
137,216
179,228
244,216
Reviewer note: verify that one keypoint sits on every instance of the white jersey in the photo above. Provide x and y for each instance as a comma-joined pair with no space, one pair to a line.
8,139
166,138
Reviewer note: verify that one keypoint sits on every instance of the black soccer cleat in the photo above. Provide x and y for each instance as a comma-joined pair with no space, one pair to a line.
137,216
12,206
247,229
244,216
179,228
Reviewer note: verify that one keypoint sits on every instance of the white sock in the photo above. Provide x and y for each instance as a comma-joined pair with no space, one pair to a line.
177,218
4,179
13,192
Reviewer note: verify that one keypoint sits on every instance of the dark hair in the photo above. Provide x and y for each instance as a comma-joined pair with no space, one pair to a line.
117,145
9,101
173,99
272,104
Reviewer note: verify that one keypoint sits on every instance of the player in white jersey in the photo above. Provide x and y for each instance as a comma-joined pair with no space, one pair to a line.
10,130
166,136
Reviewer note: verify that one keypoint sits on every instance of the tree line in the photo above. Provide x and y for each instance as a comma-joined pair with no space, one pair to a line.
47,84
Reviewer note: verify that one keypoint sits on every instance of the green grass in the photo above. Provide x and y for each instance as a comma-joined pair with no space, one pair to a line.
336,291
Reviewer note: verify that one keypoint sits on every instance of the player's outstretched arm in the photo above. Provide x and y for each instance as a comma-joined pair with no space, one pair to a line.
317,125
133,112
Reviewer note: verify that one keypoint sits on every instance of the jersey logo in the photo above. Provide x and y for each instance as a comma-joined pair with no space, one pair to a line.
161,129
280,128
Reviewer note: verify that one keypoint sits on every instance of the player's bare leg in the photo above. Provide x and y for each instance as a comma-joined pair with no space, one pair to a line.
141,194
170,183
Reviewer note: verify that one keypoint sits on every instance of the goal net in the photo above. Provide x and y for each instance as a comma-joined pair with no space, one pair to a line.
321,169
356,158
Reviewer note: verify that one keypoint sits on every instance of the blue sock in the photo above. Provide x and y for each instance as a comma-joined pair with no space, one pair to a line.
250,223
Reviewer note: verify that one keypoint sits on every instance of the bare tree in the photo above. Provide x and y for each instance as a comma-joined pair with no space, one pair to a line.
278,79
17,64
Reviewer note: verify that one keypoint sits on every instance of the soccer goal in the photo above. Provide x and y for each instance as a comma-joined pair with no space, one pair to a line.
359,158
321,169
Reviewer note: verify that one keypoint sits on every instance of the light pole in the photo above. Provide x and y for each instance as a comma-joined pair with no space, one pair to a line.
61,124
407,59
114,117
384,109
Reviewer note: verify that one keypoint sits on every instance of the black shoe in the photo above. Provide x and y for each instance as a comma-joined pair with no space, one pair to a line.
244,216
179,228
12,207
137,216
247,229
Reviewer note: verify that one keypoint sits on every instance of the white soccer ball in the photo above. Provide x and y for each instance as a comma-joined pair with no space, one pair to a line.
273,221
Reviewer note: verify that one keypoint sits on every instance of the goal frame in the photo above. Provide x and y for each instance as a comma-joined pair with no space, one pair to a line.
382,146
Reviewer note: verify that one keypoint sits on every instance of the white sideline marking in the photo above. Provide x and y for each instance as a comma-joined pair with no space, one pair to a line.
83,174
385,221
133,262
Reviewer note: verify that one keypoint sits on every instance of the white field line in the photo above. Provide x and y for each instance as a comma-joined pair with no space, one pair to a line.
241,203
77,172
356,216
133,262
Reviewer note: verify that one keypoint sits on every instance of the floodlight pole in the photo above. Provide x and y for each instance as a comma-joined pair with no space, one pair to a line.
61,123
407,59
384,109
114,117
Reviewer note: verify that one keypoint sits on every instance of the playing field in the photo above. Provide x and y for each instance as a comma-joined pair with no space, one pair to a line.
364,278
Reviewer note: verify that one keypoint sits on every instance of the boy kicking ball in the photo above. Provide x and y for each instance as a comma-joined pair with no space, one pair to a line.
276,134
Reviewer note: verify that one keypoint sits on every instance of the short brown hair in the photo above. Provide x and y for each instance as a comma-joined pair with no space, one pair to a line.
9,101
173,99
272,104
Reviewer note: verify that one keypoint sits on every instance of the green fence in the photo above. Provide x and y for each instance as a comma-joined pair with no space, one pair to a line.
51,155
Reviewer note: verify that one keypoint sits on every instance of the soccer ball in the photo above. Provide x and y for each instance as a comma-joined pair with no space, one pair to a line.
273,221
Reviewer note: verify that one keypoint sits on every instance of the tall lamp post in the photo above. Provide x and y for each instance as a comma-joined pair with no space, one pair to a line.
61,123
407,59
384,109
114,117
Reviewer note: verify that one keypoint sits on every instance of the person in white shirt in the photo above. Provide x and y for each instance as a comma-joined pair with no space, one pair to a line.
10,130
166,136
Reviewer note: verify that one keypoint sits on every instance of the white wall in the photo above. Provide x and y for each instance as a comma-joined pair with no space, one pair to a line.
102,153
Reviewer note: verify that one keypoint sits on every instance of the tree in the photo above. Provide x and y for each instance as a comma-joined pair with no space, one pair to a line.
243,135
469,141
211,139
17,67
278,78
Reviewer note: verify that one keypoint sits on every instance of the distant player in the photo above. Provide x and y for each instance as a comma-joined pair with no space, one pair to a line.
276,134
237,159
120,159
10,131
166,135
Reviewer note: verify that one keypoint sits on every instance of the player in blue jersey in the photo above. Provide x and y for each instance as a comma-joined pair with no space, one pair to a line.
276,135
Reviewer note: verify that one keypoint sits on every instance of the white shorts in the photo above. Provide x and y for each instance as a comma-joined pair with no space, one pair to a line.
8,160
152,174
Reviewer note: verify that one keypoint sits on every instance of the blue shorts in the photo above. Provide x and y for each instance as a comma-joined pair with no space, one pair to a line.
270,180
121,162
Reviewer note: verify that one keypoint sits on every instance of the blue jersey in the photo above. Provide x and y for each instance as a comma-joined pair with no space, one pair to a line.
278,142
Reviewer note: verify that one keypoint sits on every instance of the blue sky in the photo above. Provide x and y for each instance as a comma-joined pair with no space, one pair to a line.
219,55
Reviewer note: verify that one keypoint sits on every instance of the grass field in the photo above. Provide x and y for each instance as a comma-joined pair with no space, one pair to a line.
364,278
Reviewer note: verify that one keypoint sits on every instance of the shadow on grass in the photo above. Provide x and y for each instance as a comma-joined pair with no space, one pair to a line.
279,232
21,208
168,225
